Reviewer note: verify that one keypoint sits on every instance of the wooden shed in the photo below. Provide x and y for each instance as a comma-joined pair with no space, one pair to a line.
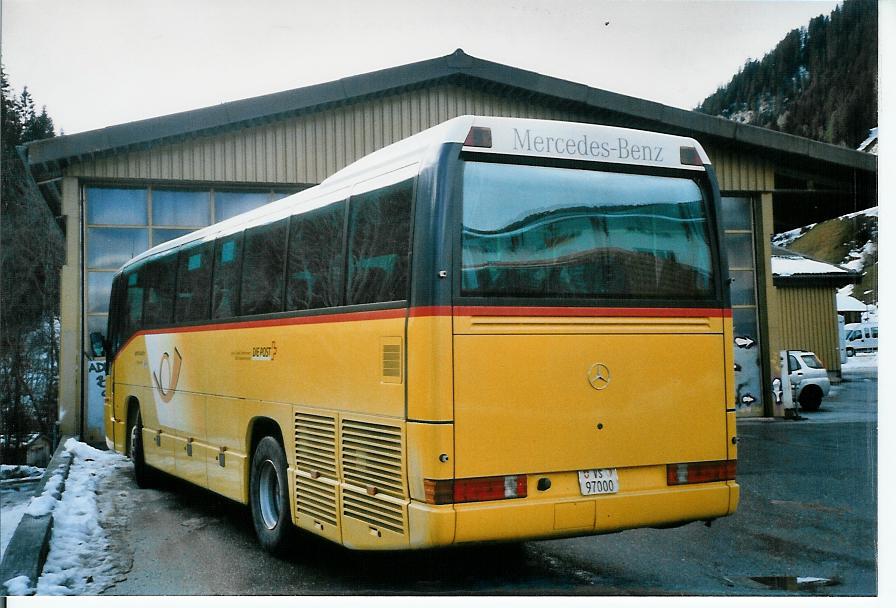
807,301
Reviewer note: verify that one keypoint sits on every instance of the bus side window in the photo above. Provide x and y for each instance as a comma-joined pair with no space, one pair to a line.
158,290
263,269
132,315
194,274
378,242
314,268
226,288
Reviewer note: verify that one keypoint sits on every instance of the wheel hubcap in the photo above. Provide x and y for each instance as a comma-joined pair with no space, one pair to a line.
133,442
269,494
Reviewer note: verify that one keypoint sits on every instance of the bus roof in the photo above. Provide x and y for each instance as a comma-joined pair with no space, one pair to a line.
505,136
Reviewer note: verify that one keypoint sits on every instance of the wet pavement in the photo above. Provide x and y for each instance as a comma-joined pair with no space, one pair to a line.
806,526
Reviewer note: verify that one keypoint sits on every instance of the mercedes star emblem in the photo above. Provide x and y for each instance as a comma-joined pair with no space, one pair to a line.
599,376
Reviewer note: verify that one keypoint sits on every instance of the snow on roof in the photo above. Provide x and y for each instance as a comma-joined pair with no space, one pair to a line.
791,265
870,144
788,263
846,303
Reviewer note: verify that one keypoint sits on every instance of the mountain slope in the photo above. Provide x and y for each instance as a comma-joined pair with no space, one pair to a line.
819,82
850,241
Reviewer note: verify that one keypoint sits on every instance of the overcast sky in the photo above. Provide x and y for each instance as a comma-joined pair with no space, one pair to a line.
95,63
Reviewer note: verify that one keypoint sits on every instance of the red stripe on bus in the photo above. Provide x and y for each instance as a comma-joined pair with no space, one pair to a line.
342,317
431,311
565,311
442,311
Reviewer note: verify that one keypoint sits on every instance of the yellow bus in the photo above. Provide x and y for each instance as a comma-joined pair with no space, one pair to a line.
496,329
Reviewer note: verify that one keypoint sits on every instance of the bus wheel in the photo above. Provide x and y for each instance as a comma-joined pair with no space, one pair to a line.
269,496
143,474
850,352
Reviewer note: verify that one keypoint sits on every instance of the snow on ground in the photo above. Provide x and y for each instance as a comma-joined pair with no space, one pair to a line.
784,239
20,585
860,362
14,497
78,562
857,258
13,502
19,471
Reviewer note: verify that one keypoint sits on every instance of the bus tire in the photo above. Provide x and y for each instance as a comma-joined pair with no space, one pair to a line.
850,352
144,475
269,496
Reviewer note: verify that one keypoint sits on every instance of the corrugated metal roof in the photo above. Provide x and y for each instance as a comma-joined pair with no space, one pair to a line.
48,157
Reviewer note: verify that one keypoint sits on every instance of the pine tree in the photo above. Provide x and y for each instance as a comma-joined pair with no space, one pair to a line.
30,260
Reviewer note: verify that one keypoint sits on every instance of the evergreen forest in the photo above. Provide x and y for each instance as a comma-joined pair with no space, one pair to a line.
819,82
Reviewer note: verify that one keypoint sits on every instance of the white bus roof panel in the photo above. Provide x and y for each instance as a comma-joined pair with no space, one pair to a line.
579,141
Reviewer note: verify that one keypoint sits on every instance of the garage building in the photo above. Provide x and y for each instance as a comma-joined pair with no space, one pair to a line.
125,188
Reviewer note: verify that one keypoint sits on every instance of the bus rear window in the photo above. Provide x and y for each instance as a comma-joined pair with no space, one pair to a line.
555,232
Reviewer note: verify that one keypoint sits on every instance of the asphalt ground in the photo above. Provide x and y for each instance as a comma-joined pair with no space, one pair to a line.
808,509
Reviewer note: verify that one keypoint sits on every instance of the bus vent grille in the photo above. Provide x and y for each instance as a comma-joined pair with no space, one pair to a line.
316,444
372,456
317,499
373,474
369,509
316,459
392,360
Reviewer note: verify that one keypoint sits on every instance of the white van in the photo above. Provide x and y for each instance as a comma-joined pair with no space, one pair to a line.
861,337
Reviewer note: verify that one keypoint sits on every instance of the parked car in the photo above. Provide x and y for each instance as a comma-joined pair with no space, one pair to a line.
860,337
809,379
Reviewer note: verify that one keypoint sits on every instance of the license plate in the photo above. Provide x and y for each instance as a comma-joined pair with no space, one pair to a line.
598,481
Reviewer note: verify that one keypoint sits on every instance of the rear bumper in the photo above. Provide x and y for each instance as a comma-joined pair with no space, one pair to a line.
544,518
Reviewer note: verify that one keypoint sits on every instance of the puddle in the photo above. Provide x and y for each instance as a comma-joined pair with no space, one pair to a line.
787,583
809,505
195,523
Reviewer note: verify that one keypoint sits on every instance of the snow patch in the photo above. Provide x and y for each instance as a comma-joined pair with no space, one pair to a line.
860,362
870,143
42,505
78,562
858,258
784,239
19,585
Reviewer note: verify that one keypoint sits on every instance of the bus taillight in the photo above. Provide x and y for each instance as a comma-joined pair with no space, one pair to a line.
479,137
700,472
690,156
476,489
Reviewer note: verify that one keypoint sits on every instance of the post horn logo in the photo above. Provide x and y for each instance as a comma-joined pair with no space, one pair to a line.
599,376
169,371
